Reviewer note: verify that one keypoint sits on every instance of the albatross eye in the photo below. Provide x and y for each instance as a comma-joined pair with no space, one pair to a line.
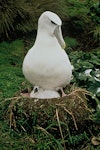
53,22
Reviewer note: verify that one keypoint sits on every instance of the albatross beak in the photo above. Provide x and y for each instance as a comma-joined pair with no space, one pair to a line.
58,34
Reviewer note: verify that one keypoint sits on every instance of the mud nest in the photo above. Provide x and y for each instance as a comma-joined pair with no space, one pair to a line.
61,114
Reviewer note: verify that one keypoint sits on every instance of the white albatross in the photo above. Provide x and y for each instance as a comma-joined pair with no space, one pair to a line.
46,65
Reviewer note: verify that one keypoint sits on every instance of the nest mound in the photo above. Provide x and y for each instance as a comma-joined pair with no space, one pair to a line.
54,114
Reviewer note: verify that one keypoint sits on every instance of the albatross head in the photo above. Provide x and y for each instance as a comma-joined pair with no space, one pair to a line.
51,23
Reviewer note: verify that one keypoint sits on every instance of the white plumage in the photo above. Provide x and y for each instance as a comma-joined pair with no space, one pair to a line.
46,64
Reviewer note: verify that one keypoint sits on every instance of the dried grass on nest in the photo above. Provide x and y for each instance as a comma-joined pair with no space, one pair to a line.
72,108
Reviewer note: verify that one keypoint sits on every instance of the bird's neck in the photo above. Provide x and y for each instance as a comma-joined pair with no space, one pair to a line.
45,38
44,33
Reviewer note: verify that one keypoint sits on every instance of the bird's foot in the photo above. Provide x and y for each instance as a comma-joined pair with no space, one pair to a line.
25,95
62,92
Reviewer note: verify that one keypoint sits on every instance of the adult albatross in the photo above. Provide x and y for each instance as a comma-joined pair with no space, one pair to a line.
46,65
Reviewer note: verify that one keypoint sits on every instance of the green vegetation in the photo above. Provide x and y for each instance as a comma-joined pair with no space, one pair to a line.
11,56
70,123
86,70
84,22
19,17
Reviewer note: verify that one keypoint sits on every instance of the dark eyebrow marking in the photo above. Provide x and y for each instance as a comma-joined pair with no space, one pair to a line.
53,22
